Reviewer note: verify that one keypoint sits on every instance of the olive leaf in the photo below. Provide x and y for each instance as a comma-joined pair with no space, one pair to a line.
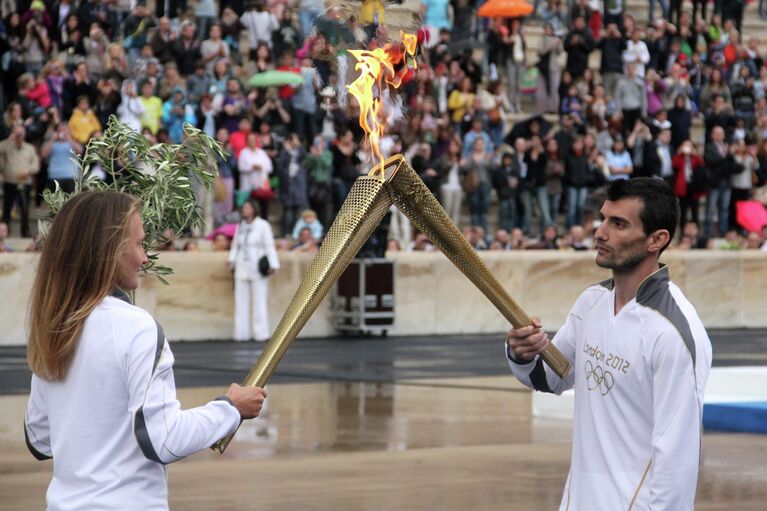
160,175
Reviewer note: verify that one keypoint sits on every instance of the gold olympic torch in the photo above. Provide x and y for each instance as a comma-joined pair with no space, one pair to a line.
396,182
413,198
362,211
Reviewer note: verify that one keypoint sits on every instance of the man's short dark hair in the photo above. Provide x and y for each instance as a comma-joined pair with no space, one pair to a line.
660,206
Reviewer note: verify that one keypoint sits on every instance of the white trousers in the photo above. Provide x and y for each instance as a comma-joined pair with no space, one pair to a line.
452,198
399,228
251,318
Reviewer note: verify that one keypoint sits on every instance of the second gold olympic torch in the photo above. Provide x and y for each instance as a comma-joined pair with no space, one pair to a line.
364,208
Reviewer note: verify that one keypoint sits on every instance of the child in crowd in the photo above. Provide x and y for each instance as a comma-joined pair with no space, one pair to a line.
83,123
309,220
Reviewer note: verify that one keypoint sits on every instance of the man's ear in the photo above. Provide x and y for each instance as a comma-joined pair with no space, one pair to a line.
658,240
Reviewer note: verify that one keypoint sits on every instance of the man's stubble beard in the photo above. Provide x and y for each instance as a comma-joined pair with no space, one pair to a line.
632,259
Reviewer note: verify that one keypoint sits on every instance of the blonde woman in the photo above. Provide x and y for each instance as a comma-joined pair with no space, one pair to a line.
461,102
103,400
253,258
115,63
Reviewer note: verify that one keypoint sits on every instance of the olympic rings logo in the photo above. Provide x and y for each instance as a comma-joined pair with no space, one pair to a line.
598,378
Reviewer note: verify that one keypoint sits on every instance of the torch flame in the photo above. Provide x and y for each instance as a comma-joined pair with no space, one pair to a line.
377,67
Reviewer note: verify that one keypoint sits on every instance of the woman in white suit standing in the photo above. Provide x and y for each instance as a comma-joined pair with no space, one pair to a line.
252,241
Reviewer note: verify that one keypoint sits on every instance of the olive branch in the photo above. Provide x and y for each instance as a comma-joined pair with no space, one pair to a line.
161,176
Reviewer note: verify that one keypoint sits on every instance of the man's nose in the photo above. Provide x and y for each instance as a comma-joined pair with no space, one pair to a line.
600,233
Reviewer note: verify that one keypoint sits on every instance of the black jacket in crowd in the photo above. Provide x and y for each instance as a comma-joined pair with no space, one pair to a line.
651,162
576,170
536,170
718,168
681,121
501,177
163,50
495,52
658,49
186,56
578,45
724,119
73,90
564,142
421,165
612,54
742,97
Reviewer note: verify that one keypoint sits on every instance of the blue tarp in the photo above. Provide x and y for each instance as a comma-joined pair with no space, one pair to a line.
742,417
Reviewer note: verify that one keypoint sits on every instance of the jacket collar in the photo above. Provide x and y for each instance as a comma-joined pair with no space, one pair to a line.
649,286
653,283
120,294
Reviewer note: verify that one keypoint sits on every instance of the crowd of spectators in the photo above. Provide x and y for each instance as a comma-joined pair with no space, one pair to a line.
68,66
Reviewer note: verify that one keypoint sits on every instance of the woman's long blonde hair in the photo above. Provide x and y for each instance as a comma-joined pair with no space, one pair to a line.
78,268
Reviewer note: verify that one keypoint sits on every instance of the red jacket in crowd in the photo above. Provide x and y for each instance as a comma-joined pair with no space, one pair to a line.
696,183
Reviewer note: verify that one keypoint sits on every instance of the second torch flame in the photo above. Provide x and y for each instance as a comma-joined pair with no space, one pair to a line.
377,74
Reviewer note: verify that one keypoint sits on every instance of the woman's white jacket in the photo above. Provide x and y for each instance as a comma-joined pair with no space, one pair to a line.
251,242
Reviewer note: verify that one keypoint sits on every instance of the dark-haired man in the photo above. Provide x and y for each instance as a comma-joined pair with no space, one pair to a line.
640,358
578,44
611,63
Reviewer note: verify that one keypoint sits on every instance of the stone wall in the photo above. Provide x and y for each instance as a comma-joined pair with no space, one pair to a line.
729,289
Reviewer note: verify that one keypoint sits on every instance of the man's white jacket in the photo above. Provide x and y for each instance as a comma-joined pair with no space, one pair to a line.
639,377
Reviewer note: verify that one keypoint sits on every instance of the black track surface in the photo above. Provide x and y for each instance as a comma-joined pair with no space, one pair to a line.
373,359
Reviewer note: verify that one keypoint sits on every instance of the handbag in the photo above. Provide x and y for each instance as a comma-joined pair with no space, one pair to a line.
494,115
220,193
264,193
529,80
470,181
263,266
318,193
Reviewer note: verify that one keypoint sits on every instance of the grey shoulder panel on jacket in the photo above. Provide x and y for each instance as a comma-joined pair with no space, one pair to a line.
654,293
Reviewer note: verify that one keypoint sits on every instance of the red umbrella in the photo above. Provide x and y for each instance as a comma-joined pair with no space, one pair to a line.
751,215
505,9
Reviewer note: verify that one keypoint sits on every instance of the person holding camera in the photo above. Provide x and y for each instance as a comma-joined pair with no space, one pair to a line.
305,102
36,45
689,181
58,151
269,108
